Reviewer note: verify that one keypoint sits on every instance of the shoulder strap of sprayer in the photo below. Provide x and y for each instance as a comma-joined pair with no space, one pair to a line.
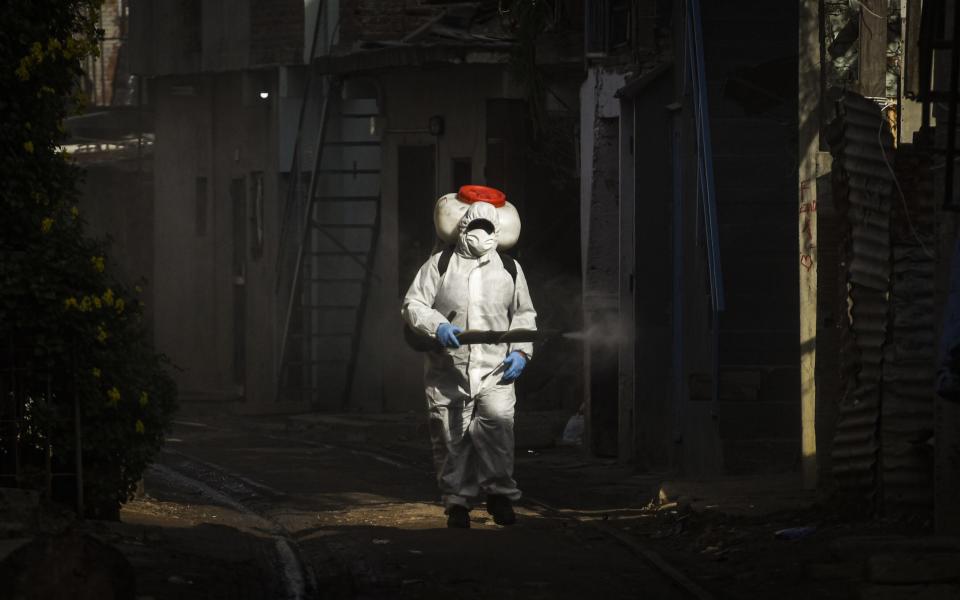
509,265
444,261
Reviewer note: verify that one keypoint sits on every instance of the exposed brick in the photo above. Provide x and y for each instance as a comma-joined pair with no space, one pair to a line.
377,20
276,31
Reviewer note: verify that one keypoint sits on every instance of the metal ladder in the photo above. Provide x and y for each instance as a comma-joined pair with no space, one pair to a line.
331,229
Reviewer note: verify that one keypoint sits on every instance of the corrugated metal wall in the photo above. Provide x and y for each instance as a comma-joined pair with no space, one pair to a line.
863,190
881,454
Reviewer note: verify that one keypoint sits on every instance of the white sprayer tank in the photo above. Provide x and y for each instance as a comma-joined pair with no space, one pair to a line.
450,208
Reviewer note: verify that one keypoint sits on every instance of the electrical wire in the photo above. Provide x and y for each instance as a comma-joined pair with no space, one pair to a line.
864,8
903,198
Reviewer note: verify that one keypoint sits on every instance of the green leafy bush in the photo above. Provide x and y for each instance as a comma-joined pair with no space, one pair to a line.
59,295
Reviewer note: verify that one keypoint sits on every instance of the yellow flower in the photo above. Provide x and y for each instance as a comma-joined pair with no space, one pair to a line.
108,297
120,304
96,372
70,48
28,146
70,303
23,73
144,399
102,334
74,211
96,302
46,225
85,304
98,263
139,426
113,396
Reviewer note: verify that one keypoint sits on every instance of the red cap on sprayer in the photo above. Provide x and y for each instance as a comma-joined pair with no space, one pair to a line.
481,193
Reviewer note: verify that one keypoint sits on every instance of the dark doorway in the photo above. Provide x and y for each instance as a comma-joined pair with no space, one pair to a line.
507,141
415,206
656,352
604,422
461,173
238,200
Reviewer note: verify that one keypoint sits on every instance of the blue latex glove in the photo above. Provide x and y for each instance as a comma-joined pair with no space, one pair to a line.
447,335
515,362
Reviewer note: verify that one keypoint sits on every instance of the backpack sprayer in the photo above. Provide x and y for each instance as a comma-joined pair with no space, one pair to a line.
447,214
425,343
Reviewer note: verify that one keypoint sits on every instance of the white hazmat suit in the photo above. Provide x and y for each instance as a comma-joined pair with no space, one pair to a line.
471,410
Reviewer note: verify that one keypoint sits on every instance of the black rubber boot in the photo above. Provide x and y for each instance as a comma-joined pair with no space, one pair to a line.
458,518
502,510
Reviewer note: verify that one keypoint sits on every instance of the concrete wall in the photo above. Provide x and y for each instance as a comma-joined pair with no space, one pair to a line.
117,202
599,223
208,128
756,179
647,292
169,38
225,35
754,422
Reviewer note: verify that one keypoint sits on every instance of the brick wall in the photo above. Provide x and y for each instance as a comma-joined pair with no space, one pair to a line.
375,20
276,31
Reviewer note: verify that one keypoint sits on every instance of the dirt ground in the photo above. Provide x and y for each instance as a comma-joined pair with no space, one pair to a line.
256,509
357,524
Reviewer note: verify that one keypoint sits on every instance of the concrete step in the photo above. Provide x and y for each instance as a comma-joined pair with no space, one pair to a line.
909,592
863,547
910,568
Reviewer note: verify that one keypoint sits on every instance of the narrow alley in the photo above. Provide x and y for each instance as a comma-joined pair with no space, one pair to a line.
469,299
359,523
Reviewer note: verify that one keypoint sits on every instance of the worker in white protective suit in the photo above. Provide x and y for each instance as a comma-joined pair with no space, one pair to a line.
469,389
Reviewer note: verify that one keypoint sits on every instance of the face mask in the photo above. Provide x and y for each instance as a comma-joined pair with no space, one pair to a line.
479,242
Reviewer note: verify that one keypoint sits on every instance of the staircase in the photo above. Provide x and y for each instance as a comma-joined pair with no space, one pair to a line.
325,266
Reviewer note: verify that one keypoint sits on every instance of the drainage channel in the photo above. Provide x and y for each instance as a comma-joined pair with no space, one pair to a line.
296,577
651,557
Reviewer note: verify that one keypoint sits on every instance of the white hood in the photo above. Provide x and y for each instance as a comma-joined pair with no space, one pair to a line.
449,211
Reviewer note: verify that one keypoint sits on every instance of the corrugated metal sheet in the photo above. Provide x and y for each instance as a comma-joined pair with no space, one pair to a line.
881,451
863,191
909,365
